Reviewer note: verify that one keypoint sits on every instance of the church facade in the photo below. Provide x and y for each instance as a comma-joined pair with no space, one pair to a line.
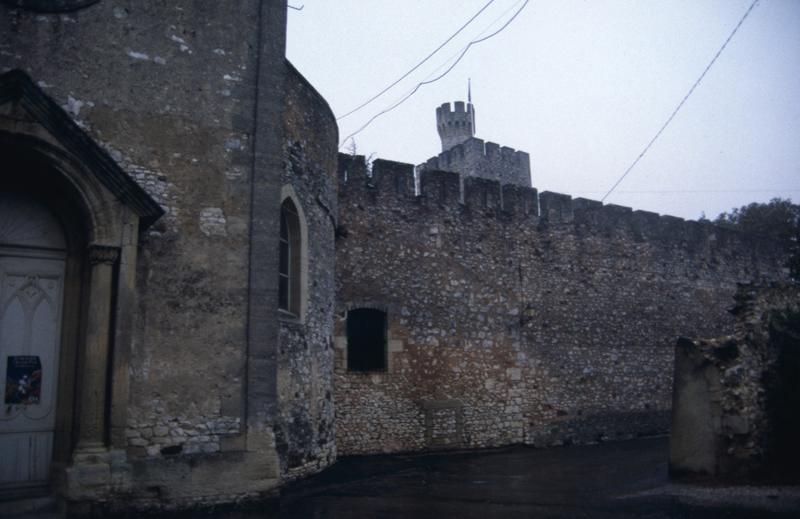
156,160
201,300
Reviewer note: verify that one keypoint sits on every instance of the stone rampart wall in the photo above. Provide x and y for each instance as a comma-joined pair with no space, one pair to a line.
518,317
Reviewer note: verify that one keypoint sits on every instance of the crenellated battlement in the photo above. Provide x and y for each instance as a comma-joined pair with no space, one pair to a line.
471,157
391,186
457,125
476,158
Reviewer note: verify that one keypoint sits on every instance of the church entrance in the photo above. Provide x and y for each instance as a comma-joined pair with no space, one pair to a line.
70,218
32,267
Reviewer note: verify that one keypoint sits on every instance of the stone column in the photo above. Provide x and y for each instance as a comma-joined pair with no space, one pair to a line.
95,359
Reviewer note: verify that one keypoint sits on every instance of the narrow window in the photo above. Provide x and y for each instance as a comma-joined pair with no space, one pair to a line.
289,261
366,340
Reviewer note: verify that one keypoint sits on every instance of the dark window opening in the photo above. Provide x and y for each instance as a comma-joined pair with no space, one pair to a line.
366,340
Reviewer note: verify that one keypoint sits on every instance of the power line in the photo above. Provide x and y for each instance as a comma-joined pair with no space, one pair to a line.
679,191
680,105
415,67
437,78
456,54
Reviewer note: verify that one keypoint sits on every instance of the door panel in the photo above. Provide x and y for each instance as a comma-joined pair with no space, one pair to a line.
26,457
30,321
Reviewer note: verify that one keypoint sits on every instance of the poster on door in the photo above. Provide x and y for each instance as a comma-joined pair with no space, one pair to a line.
23,380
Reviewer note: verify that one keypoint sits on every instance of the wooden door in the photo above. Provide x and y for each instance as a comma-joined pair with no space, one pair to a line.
32,260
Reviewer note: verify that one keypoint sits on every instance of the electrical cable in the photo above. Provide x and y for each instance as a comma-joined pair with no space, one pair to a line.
415,67
690,191
437,78
669,120
455,55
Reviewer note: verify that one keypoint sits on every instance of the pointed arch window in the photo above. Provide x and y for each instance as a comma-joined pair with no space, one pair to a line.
290,268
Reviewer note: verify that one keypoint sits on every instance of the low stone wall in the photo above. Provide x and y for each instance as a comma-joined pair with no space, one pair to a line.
736,397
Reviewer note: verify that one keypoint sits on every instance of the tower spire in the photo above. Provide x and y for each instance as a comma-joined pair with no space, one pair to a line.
470,108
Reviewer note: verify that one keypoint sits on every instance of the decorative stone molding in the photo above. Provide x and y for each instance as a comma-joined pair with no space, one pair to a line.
103,254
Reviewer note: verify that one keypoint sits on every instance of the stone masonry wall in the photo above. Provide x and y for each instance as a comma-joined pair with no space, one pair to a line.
539,319
305,437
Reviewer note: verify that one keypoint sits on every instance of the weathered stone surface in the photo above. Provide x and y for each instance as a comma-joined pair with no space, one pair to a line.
305,437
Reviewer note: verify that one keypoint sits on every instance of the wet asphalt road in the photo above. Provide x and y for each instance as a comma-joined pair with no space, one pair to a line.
613,480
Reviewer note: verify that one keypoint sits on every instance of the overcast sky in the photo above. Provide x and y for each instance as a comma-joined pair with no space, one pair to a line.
580,85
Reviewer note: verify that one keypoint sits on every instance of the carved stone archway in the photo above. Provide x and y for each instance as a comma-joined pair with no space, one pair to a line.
48,157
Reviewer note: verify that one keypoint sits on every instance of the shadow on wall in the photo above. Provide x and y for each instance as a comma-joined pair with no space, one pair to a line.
783,397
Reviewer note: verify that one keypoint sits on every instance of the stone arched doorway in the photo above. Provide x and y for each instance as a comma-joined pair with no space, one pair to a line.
87,212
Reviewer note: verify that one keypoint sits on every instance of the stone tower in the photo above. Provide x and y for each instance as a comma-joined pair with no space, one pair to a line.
469,156
455,126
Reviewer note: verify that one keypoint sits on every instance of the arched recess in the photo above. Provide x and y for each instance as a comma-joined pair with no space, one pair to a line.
48,159
293,217
26,176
